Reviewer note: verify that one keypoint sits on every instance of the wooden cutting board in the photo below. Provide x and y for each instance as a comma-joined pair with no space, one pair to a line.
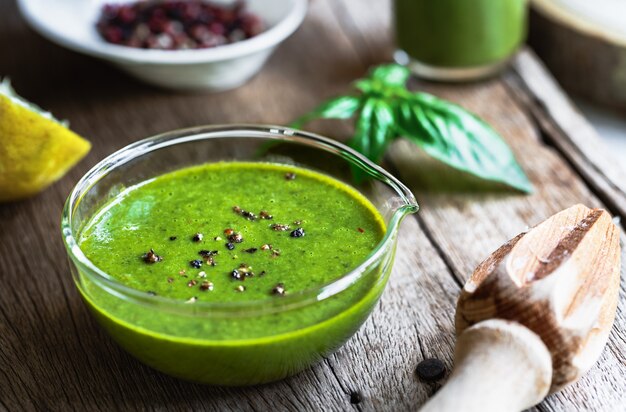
54,356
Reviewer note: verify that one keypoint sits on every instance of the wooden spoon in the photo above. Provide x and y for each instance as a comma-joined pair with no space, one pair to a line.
535,315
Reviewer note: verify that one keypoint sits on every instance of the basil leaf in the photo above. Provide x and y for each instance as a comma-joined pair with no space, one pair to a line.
366,86
374,129
360,141
460,139
342,107
391,74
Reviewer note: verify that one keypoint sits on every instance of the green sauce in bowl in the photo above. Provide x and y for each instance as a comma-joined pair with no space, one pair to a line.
146,232
254,308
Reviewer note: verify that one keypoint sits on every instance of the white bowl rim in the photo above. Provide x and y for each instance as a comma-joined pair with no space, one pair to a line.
124,54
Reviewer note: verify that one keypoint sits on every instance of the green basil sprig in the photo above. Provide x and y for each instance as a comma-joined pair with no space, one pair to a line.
385,110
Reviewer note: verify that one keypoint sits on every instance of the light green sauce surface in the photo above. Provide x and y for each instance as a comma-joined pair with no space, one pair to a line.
340,229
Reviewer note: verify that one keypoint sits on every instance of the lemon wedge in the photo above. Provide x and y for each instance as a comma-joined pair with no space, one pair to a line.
35,148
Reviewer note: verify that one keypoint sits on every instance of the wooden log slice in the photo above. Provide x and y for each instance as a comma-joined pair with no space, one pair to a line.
584,44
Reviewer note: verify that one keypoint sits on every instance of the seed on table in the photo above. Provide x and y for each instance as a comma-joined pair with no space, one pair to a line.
202,274
192,299
266,247
196,264
290,176
431,370
265,215
299,232
173,237
230,246
251,250
240,288
170,279
197,237
192,283
356,397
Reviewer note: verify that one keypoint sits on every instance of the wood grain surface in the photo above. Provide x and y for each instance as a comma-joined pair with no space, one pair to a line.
54,357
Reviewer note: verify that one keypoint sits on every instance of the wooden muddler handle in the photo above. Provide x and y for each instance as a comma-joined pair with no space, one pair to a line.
499,366
535,315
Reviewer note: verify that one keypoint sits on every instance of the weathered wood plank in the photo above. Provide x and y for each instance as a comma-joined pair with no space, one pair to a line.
566,129
413,321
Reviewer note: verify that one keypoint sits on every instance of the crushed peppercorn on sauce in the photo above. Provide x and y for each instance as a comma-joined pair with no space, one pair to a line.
251,231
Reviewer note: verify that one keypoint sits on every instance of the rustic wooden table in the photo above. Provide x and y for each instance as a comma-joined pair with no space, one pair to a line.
54,357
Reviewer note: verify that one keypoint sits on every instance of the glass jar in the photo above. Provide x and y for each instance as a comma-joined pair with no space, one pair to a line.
458,40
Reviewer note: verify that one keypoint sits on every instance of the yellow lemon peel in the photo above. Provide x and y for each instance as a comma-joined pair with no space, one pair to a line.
35,148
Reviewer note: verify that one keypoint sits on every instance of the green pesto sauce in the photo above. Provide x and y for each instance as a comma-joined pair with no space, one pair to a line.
340,229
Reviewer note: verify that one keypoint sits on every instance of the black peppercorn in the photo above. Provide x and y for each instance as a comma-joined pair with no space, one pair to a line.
235,274
355,397
430,370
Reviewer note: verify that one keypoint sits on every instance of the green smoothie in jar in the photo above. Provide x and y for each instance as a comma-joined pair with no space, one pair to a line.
458,39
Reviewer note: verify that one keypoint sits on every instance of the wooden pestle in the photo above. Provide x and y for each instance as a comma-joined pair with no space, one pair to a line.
535,315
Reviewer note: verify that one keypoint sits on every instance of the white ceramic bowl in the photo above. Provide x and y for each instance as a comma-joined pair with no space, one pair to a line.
71,23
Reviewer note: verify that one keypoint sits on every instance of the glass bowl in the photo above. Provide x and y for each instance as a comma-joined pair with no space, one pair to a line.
226,343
